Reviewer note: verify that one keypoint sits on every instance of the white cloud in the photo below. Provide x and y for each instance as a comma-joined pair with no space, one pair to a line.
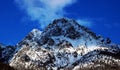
44,11
84,22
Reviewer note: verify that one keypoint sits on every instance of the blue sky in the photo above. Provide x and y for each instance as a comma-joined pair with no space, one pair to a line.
19,17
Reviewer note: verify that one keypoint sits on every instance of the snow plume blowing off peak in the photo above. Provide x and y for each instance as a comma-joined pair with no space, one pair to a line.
44,11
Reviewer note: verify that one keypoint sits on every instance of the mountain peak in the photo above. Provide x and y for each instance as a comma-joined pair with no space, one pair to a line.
64,44
35,30
62,23
67,28
34,33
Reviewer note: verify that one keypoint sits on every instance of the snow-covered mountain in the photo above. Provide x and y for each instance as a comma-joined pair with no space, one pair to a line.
64,44
6,53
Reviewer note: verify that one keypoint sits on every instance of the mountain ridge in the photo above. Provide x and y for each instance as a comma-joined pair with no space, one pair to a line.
64,44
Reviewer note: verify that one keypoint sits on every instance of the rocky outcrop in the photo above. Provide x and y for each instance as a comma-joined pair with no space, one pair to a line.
6,53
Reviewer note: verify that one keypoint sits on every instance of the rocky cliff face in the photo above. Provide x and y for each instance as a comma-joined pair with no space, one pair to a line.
66,45
6,53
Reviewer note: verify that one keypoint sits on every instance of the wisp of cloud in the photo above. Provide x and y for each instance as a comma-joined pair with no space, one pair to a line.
85,22
44,11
